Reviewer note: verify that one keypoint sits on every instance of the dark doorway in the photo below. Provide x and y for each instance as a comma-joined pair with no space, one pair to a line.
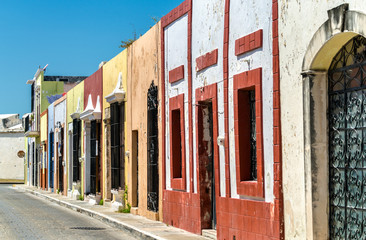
76,150
135,168
94,157
152,149
52,155
206,165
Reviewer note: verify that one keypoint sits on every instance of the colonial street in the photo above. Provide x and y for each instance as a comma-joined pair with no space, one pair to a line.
23,216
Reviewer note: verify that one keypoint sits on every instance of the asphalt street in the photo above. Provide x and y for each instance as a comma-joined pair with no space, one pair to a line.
24,216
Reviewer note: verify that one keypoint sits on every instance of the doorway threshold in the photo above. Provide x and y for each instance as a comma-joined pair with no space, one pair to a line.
209,233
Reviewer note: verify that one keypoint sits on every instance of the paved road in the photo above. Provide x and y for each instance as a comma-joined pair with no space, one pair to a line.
23,216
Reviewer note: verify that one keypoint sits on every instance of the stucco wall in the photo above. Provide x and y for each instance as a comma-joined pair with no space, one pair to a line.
111,71
176,55
11,167
245,18
207,35
143,65
296,30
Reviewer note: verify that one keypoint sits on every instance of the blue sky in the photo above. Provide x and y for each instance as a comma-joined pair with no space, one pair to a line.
72,36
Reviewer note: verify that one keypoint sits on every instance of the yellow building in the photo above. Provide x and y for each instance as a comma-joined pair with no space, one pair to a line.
114,121
44,158
74,106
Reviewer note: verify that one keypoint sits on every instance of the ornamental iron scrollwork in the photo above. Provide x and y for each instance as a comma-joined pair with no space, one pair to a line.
347,141
152,149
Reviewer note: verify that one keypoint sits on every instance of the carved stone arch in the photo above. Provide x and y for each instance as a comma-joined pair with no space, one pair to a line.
342,25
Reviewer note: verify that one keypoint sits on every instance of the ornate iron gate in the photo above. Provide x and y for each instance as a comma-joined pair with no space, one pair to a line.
347,141
152,149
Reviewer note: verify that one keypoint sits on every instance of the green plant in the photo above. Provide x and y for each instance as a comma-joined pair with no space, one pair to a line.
126,206
128,42
125,194
126,209
57,190
101,202
81,198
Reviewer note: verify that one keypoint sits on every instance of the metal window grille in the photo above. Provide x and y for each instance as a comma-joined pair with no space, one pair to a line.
152,149
76,150
347,141
117,145
253,136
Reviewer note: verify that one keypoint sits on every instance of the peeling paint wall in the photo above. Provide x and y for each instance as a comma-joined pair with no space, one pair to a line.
207,35
143,68
296,29
176,55
246,18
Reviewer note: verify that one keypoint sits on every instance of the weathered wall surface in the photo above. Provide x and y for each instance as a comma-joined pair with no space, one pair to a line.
245,19
296,30
143,65
207,35
111,72
11,167
176,46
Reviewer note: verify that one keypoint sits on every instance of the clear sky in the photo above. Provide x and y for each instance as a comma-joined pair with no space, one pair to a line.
72,36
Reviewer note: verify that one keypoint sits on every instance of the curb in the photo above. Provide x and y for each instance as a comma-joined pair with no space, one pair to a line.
99,216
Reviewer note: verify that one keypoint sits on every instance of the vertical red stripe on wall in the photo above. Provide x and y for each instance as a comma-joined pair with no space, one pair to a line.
226,96
162,90
190,121
277,165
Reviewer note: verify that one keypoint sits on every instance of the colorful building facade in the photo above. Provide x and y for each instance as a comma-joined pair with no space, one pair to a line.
183,126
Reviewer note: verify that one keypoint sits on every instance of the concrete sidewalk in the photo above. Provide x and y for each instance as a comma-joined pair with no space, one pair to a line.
140,227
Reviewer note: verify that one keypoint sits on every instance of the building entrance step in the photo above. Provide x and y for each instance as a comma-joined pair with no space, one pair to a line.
209,233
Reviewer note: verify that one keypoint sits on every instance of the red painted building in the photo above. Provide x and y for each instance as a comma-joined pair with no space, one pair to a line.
92,115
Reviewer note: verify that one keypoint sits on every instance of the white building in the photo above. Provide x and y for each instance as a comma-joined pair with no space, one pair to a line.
11,142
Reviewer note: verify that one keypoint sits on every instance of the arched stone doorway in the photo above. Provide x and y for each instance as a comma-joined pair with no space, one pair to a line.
334,179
